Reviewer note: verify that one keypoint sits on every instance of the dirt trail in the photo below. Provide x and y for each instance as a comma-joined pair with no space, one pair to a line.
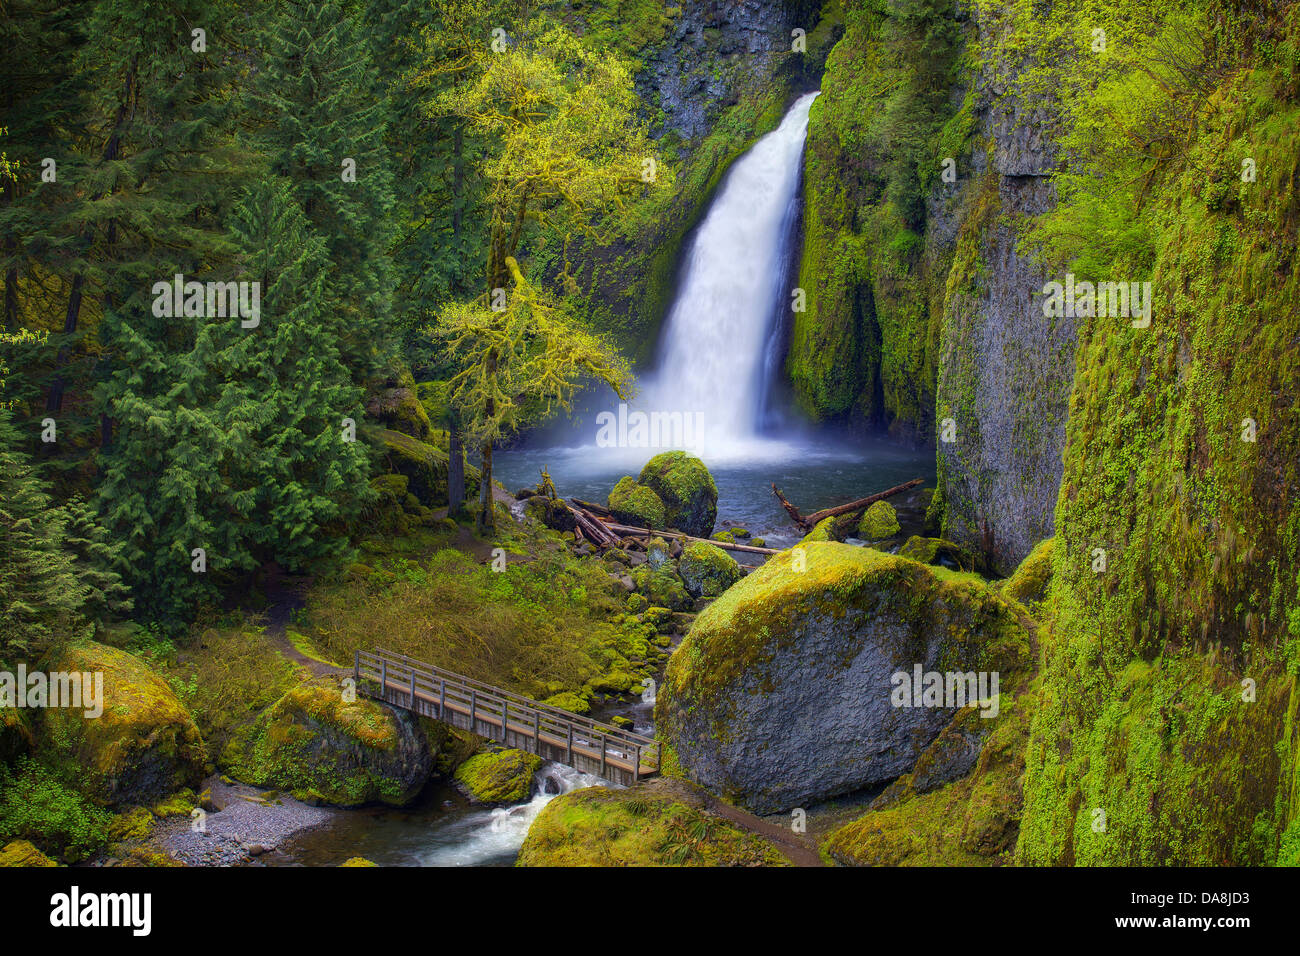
795,850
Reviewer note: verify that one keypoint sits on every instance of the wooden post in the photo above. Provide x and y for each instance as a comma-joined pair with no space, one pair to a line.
413,690
568,758
356,667
383,678
473,704
442,699
602,756
636,763
537,732
505,722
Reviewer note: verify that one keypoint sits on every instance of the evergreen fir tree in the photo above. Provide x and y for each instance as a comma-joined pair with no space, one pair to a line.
324,134
307,481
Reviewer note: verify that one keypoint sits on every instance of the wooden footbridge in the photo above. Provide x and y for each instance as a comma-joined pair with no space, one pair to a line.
587,745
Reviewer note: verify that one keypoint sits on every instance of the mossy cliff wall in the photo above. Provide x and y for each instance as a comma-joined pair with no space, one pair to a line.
1166,730
921,312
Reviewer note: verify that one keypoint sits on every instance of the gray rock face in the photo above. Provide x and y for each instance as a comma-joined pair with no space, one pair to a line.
1006,370
695,73
780,696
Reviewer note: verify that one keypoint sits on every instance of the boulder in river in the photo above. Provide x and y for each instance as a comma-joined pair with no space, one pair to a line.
785,692
687,490
500,776
635,504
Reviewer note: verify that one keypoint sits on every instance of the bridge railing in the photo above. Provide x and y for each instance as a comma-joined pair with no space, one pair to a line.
587,745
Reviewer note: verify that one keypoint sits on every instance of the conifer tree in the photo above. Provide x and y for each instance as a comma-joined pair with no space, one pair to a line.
307,479
324,134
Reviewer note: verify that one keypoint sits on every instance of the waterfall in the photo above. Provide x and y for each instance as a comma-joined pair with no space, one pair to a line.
712,358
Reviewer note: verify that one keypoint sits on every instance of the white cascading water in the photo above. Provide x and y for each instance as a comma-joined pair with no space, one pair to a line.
486,836
718,328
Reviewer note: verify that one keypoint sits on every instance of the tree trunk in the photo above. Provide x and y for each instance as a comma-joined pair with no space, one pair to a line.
486,521
455,470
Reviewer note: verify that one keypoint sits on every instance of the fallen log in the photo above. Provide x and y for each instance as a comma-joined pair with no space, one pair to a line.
599,510
809,521
595,530
725,545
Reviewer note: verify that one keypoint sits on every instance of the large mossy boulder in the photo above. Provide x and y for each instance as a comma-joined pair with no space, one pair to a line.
707,570
783,692
636,504
143,747
687,490
499,777
660,823
325,749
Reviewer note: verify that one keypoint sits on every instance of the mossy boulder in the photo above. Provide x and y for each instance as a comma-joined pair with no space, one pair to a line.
879,522
657,552
22,853
636,504
825,643
358,861
142,748
423,465
499,777
662,587
822,531
1031,580
328,750
660,823
568,700
954,809
938,551
707,570
687,490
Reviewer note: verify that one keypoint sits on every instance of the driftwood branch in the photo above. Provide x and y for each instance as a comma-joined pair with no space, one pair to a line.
808,521
725,545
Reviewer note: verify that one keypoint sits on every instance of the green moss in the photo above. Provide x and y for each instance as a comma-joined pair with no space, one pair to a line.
664,823
880,521
686,489
357,861
567,700
1030,582
662,588
707,570
637,505
22,853
144,746
503,776
316,744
